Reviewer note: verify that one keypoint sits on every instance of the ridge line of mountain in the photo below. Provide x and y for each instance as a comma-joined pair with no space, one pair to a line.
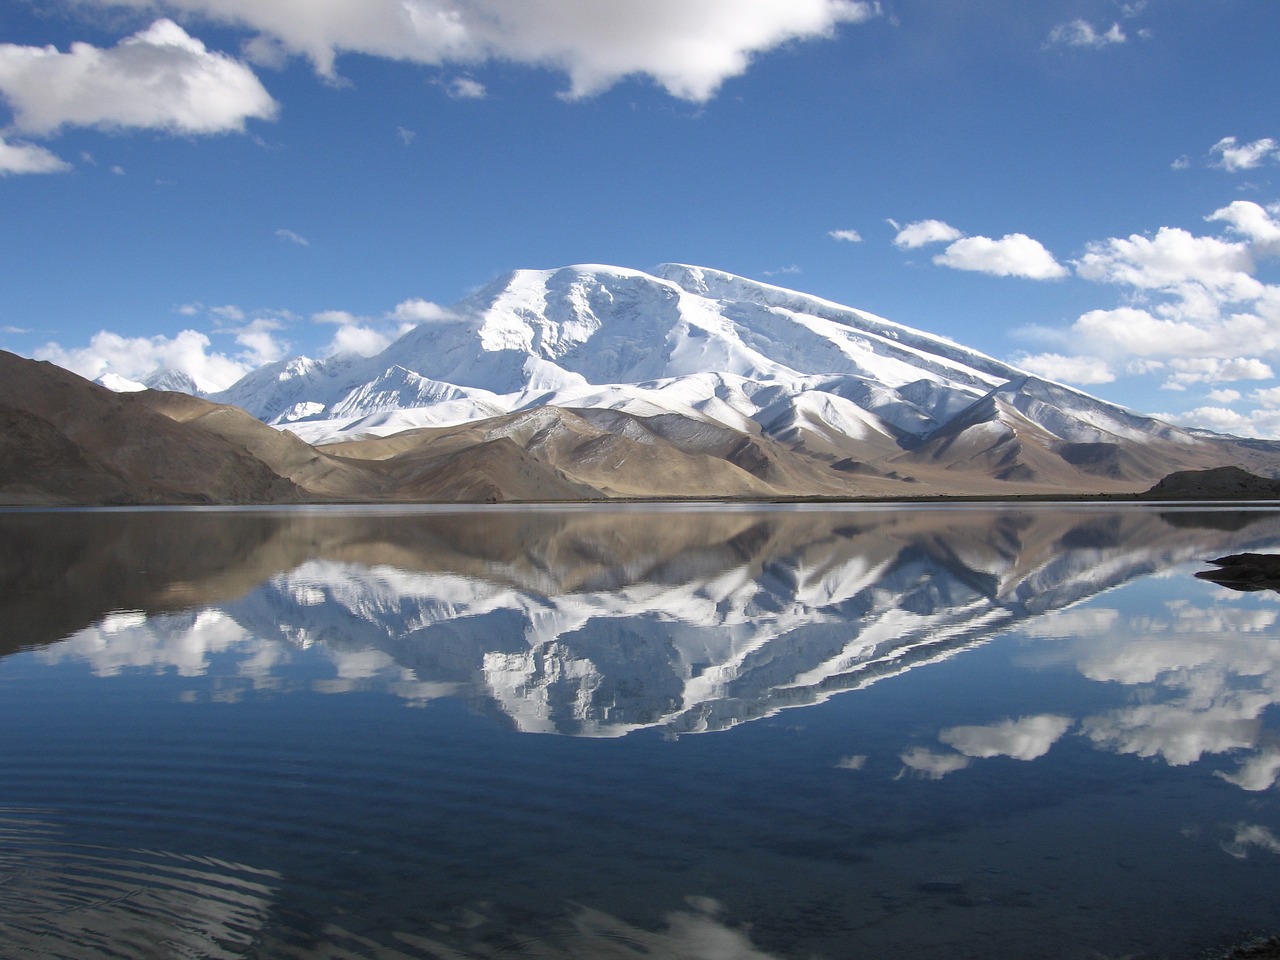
603,383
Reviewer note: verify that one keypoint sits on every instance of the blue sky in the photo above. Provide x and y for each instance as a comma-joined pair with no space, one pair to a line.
1089,188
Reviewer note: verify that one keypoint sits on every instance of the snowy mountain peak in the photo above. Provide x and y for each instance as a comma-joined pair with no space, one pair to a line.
846,389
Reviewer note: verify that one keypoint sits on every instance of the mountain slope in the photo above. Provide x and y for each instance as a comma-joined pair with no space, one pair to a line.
861,404
69,440
592,381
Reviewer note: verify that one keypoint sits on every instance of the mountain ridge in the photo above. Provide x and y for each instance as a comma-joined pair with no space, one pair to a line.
596,382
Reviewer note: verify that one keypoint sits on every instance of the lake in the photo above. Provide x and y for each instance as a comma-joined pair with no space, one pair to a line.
680,731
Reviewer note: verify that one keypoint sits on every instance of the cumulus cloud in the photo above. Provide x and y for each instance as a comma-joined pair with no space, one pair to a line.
1081,33
1234,156
932,764
368,336
260,342
922,232
135,358
1188,370
1079,370
1133,330
1251,835
1258,224
160,78
1013,255
357,339
1174,260
848,236
1196,310
28,158
416,311
1180,732
1257,773
1218,419
466,88
1024,739
688,47
112,355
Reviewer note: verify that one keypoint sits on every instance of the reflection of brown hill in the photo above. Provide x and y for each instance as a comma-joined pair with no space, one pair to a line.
63,571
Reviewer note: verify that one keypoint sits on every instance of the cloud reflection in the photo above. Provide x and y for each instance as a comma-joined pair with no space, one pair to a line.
1023,739
599,623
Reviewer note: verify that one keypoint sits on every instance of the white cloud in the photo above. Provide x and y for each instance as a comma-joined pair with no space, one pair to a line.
1131,330
261,345
1013,255
134,358
28,158
1224,395
1024,739
417,311
1076,622
292,237
1196,311
1175,261
406,136
1188,370
1259,772
1253,221
1081,33
923,232
338,317
1251,835
110,354
688,47
1181,732
1078,370
160,78
1220,419
367,336
357,339
1236,156
849,236
227,312
931,764
466,88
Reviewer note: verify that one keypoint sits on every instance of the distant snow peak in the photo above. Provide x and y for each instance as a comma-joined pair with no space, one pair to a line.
174,380
119,384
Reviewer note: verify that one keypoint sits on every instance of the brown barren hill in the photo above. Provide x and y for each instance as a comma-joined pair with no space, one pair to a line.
72,441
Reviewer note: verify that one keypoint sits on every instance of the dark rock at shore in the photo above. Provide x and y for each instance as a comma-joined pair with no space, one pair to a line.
1245,571
1218,483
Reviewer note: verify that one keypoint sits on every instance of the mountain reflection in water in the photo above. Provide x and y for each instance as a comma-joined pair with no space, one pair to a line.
591,622
601,624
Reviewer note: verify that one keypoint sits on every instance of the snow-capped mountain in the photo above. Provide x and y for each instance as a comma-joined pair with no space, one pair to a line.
699,349
684,339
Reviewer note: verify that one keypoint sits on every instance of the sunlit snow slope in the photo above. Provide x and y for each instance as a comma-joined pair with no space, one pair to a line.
683,339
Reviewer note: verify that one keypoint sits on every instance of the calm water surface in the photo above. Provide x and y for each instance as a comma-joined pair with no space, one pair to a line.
679,732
